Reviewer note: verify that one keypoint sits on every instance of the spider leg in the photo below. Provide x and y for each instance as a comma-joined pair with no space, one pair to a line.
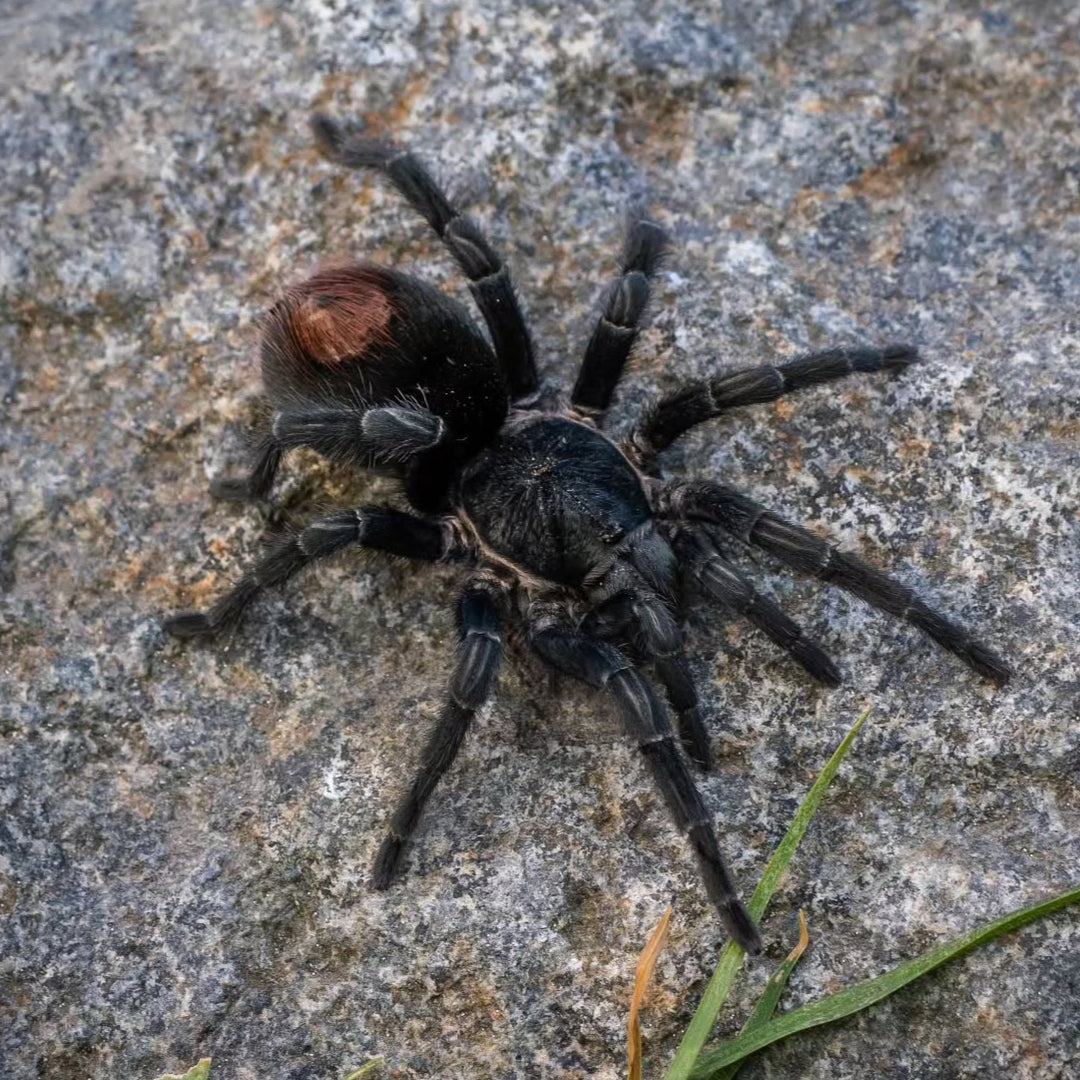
478,657
639,588
386,434
389,432
674,673
614,334
700,401
258,482
646,623
374,527
602,665
489,278
803,550
719,580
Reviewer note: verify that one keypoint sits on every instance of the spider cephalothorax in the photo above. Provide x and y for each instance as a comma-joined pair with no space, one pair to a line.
558,525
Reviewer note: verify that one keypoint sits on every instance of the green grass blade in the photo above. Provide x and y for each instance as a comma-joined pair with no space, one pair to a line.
366,1069
769,999
712,1001
200,1071
859,996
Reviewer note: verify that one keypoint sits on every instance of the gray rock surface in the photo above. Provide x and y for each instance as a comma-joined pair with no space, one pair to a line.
185,832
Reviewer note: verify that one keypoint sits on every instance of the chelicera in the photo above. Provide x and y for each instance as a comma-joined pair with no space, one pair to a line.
555,524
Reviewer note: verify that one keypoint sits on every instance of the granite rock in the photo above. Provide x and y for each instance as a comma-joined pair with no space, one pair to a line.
185,832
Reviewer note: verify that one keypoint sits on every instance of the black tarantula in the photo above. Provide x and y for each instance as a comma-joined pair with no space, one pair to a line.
557,523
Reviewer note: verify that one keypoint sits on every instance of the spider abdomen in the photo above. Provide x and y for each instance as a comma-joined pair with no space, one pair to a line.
554,497
357,336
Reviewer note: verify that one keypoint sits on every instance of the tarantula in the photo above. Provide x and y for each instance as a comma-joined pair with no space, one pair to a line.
557,523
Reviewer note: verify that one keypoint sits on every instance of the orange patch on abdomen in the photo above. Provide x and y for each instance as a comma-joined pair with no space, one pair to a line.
339,314
330,331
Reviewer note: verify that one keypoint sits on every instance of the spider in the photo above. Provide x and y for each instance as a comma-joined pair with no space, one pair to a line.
557,525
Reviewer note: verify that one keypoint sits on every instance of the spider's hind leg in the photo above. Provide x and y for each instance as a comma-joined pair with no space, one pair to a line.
386,434
489,277
374,527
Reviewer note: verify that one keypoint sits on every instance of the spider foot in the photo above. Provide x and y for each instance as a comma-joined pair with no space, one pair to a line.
987,663
231,488
387,863
817,662
718,884
188,624
900,356
742,927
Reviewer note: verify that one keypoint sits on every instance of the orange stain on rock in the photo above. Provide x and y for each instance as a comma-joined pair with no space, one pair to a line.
892,176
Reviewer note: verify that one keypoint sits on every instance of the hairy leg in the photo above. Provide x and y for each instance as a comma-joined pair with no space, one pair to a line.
803,550
644,621
479,653
617,329
602,665
374,527
365,437
700,401
719,580
258,482
488,275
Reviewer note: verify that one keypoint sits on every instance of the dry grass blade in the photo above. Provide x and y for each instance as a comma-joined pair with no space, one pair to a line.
803,942
645,966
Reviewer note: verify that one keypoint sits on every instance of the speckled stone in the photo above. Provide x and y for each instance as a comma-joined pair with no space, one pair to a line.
185,832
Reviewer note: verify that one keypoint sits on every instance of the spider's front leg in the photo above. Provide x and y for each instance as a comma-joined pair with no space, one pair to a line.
646,621
802,550
479,653
720,581
700,401
602,665
635,604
